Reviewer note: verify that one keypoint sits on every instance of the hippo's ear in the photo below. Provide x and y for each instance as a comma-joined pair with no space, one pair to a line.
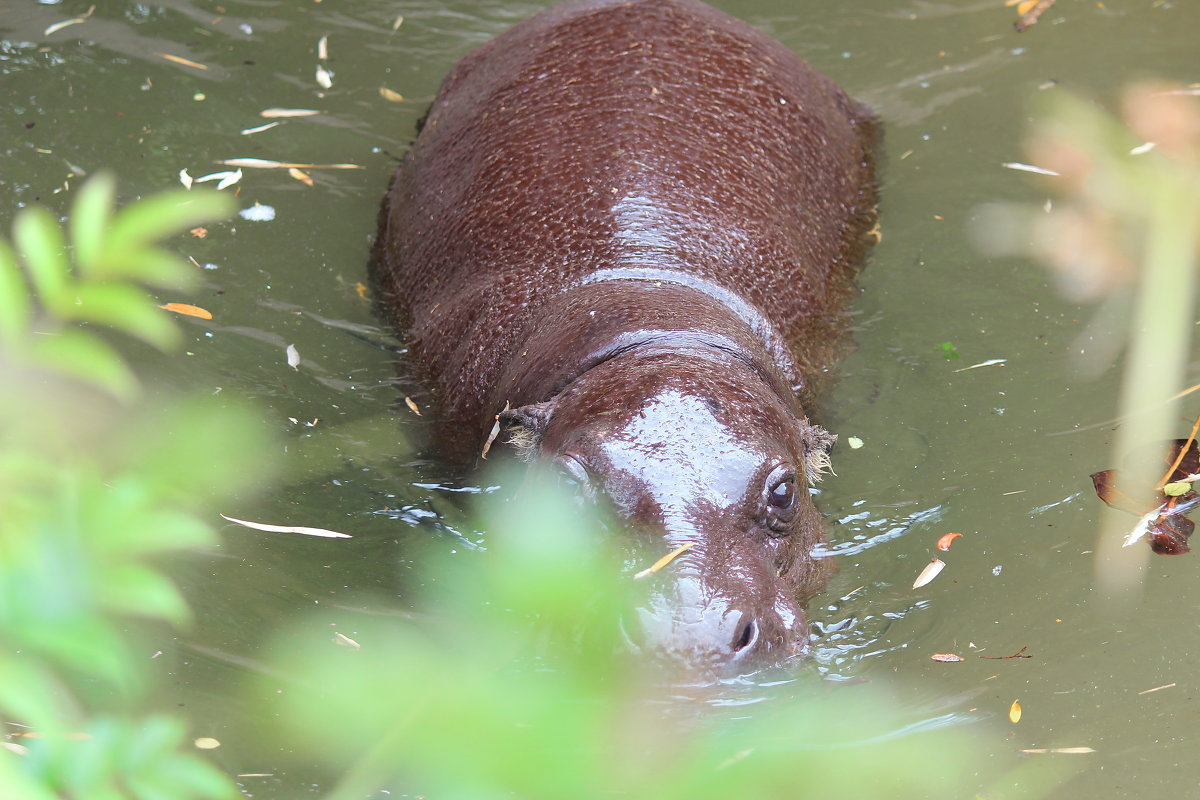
817,444
527,424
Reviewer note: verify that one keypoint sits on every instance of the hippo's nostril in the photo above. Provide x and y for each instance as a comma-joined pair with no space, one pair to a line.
746,635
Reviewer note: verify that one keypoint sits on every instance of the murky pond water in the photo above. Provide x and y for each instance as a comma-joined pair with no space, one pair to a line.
999,453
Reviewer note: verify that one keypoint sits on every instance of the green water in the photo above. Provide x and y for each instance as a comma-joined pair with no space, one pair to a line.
999,453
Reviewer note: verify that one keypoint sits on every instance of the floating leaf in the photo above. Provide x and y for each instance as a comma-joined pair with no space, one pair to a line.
187,310
301,176
266,163
343,640
662,562
58,26
946,658
262,526
944,542
390,96
258,129
412,406
324,77
181,60
1014,712
1062,750
293,356
930,572
287,113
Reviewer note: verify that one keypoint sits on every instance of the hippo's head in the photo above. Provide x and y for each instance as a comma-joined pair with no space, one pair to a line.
697,449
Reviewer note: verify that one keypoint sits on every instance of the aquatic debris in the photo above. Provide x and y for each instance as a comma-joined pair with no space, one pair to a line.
181,60
58,26
187,310
306,531
258,213
495,431
1019,654
929,573
662,562
944,542
1029,168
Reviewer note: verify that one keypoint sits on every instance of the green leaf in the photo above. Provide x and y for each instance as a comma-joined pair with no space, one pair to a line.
43,250
82,355
157,267
30,693
15,311
141,591
127,309
90,216
154,218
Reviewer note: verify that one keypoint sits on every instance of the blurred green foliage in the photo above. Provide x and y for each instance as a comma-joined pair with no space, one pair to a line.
47,289
513,683
1122,229
95,489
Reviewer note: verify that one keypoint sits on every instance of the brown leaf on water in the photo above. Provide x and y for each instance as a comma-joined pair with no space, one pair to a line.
199,233
389,95
412,406
1014,712
58,26
180,60
946,658
301,176
947,538
187,310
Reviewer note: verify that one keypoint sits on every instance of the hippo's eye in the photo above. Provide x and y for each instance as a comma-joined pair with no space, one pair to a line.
783,494
779,498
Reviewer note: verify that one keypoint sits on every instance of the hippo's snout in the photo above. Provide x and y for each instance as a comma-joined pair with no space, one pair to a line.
712,636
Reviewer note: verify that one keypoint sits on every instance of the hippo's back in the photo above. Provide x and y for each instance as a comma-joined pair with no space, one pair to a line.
644,138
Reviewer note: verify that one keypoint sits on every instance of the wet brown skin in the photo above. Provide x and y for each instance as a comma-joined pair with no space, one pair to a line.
636,223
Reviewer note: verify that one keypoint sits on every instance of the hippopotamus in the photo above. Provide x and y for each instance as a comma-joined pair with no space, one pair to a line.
626,230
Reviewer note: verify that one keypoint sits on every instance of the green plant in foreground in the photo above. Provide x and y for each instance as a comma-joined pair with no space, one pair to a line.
513,685
1123,229
94,489
46,289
